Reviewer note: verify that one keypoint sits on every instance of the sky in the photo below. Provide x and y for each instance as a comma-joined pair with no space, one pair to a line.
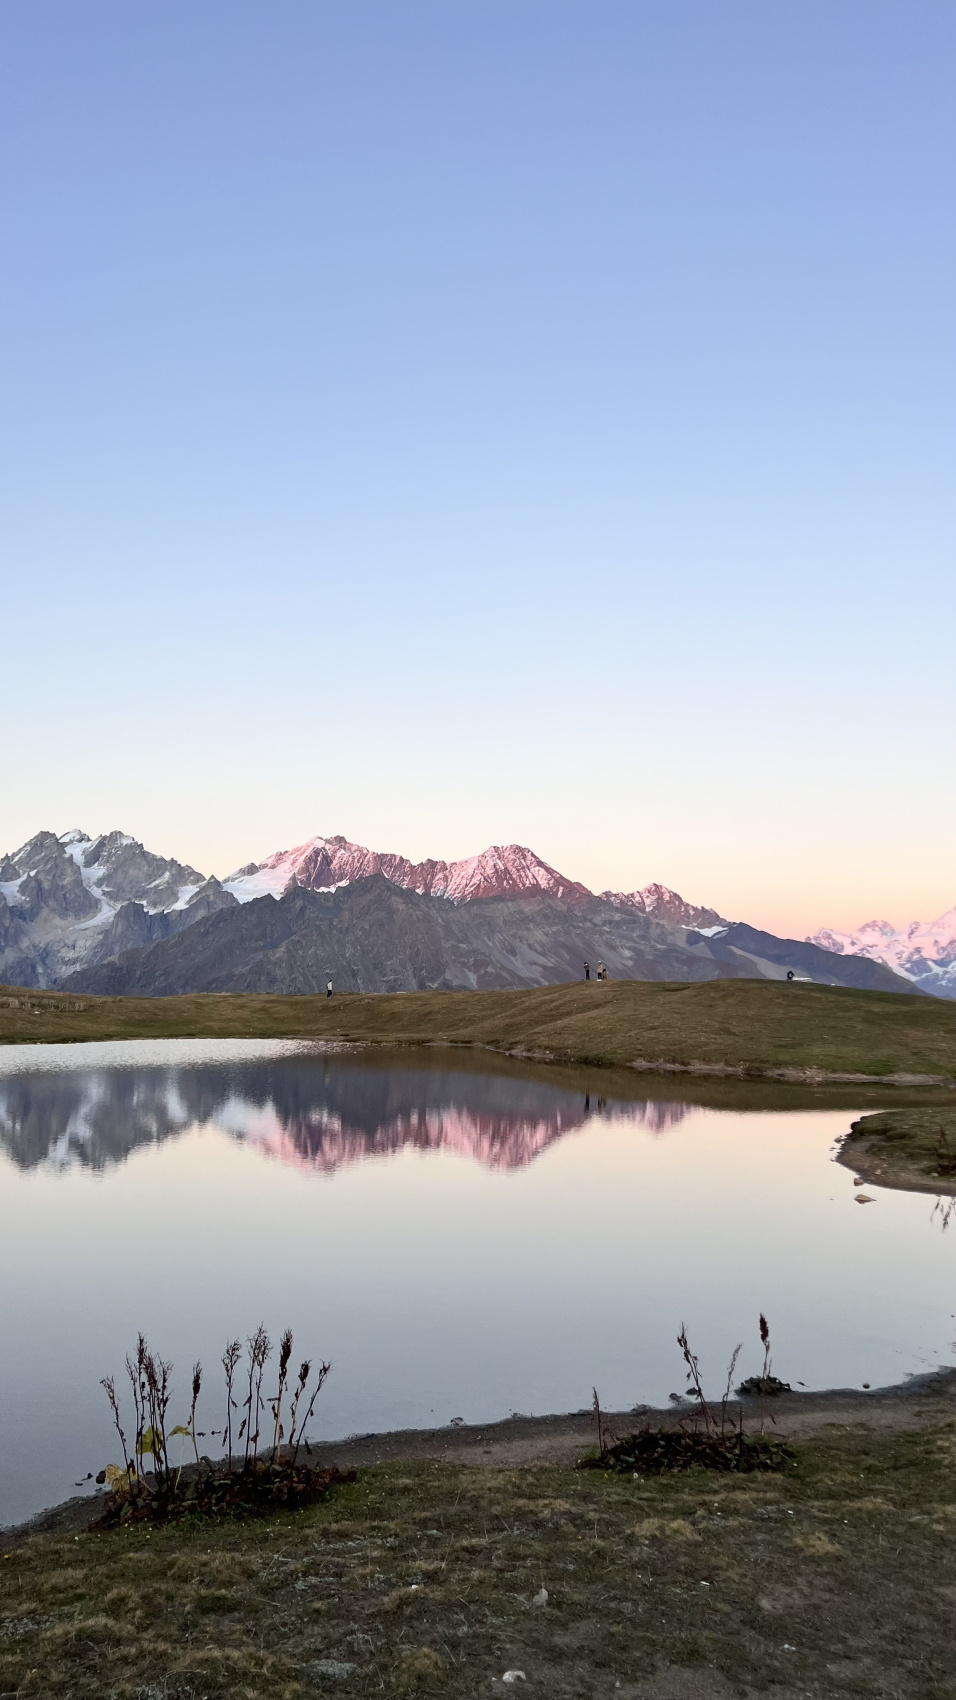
455,422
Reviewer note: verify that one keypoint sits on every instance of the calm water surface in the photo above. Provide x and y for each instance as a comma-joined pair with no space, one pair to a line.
459,1243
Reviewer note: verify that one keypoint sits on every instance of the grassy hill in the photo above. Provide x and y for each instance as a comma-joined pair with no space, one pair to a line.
754,1027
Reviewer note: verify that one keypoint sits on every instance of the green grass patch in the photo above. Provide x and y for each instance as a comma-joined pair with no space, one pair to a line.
746,1025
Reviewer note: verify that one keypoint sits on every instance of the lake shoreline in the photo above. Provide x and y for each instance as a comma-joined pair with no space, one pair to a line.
902,1150
558,1441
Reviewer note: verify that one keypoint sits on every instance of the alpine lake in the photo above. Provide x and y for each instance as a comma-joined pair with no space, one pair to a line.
462,1237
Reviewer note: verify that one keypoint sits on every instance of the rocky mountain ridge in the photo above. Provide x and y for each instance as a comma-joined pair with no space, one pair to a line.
324,864
69,903
374,936
73,905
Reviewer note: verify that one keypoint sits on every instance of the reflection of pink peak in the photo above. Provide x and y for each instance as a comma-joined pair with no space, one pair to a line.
320,1139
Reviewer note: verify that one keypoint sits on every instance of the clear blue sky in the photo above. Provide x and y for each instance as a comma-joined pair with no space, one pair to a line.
454,422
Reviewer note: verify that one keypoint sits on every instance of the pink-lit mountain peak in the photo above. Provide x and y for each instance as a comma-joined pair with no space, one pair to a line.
325,863
662,904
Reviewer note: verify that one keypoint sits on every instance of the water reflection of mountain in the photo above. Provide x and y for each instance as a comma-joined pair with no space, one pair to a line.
316,1114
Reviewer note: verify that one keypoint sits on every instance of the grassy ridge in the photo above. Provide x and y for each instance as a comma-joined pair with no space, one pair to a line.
752,1025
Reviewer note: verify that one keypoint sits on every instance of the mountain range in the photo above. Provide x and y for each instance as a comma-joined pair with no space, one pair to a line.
106,915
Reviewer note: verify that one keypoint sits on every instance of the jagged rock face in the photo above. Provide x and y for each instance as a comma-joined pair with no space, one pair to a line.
123,869
372,936
48,879
68,902
70,905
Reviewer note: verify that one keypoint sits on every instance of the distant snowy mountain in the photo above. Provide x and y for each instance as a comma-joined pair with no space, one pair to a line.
924,952
71,902
324,864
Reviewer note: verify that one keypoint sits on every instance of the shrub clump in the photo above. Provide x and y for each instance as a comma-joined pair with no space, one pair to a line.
763,1387
657,1451
261,1469
705,1440
211,1490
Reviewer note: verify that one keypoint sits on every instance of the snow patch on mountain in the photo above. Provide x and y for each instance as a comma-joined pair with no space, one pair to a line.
924,951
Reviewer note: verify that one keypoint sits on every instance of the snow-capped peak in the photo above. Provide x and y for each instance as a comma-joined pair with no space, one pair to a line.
665,905
326,863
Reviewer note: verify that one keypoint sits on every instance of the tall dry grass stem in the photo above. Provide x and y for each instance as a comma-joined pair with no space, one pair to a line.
285,1353
693,1378
230,1359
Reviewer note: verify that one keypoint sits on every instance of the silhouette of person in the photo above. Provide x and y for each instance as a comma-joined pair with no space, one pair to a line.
587,970
328,990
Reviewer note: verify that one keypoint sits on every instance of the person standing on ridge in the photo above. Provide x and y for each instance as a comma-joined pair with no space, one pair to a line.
328,990
587,970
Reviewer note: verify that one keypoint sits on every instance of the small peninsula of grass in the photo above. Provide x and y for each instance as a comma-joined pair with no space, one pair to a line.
753,1028
913,1150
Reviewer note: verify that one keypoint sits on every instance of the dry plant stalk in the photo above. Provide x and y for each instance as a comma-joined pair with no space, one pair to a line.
259,1348
149,1378
230,1359
693,1377
730,1382
597,1417
285,1352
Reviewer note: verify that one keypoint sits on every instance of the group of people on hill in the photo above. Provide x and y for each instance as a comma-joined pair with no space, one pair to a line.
601,971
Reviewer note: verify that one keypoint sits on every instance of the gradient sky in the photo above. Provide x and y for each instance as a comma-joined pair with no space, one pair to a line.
447,422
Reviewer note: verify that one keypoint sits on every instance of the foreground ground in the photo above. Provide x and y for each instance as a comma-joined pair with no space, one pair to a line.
837,1578
749,1027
